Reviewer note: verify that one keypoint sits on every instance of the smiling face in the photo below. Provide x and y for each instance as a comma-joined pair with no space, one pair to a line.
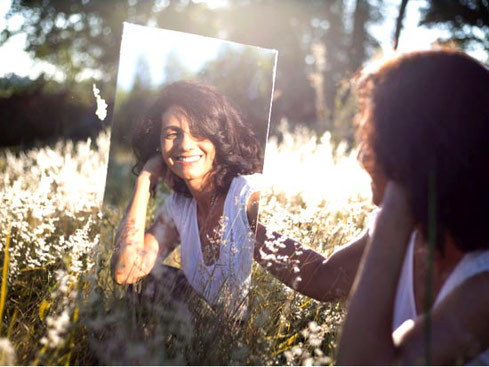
187,156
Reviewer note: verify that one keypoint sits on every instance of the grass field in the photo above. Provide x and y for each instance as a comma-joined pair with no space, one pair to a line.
58,304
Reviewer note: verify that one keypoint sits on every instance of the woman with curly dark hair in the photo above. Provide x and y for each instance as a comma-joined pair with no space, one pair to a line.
196,139
422,291
209,116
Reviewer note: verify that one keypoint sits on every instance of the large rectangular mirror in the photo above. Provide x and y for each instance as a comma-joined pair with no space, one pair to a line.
189,132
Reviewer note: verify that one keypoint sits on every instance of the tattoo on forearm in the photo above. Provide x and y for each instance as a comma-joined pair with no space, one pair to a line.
136,262
127,233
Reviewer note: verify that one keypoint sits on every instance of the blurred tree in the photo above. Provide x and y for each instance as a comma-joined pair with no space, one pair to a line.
468,20
13,84
142,75
318,43
41,110
82,38
174,69
348,44
132,104
255,71
362,44
400,18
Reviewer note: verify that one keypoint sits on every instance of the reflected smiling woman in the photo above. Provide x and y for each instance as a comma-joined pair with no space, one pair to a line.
197,141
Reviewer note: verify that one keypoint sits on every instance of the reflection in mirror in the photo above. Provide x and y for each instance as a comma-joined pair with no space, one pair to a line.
188,136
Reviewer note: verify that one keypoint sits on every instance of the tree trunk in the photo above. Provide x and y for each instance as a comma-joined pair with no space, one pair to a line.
397,33
359,35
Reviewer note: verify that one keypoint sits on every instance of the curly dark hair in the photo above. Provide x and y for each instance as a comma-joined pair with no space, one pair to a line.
425,119
211,116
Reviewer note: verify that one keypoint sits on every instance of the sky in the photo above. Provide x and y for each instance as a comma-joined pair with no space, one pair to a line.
193,52
15,60
155,53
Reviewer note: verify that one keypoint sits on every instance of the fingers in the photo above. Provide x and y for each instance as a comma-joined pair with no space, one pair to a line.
153,169
154,165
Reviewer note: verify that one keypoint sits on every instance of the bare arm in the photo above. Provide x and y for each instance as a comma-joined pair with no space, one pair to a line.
302,268
367,332
137,251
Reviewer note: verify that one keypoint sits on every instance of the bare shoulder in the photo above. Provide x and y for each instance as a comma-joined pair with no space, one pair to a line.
252,207
459,326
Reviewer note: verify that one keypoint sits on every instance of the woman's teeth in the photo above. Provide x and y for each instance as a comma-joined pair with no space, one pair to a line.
193,158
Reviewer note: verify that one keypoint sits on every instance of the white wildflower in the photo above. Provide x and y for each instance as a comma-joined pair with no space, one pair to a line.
101,104
7,353
296,351
314,327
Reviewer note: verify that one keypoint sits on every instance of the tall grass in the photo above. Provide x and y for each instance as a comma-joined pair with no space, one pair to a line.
63,308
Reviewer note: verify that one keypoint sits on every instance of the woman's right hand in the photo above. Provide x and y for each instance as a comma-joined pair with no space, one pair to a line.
153,169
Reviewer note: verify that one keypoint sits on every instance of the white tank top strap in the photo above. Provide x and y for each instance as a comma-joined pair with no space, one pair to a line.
404,303
405,308
237,199
471,264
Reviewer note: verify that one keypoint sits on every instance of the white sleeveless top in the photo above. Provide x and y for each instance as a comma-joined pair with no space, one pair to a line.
227,281
472,263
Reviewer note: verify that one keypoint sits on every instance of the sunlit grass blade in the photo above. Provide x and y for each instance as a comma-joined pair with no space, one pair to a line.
3,291
43,308
12,323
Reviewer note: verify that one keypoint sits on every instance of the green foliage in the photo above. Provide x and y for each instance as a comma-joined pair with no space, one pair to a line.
43,110
77,35
344,121
467,20
250,69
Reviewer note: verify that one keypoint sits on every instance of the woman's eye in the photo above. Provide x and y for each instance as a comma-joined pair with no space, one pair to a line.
171,135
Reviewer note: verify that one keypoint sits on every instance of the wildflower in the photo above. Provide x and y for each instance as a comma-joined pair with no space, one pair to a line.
7,353
101,104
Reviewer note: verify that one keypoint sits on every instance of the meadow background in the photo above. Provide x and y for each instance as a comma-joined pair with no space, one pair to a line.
58,303
60,306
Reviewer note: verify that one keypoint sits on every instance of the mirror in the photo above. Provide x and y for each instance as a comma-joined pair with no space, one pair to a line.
202,107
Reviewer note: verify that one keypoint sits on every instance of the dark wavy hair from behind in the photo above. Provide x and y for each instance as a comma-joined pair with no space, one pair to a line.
425,118
210,115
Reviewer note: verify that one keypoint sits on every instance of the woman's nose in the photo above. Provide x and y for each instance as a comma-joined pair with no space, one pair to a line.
186,141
